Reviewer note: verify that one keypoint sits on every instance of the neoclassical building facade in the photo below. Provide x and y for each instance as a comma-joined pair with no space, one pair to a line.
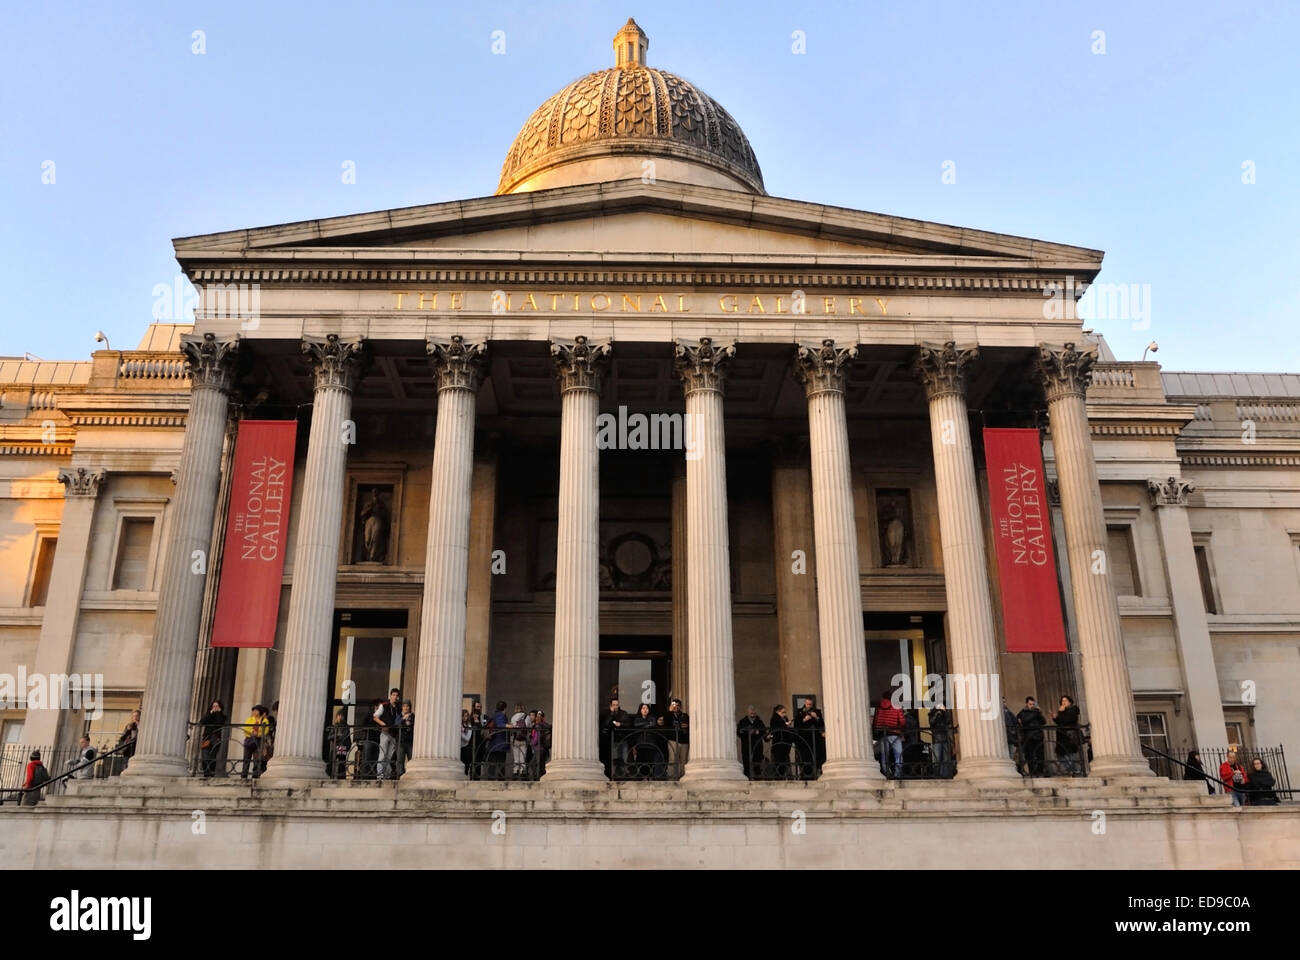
804,510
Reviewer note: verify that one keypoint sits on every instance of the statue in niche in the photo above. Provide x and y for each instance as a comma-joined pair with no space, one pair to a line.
374,524
894,515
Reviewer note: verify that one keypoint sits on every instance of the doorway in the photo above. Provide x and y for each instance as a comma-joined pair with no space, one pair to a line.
368,659
636,669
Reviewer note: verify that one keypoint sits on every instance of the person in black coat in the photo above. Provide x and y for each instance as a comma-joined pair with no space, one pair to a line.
812,727
614,727
1259,789
1013,734
1067,735
781,729
941,741
1031,724
213,736
752,733
1195,771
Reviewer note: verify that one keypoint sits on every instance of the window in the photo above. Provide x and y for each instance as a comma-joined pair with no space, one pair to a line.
1122,561
104,730
131,570
1236,734
41,571
1153,732
1207,583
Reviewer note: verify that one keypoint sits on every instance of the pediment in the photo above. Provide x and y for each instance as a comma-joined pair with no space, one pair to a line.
630,220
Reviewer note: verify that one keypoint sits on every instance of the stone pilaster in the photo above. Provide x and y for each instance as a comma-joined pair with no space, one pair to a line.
702,366
482,542
681,616
839,584
796,583
1066,373
338,364
169,685
436,750
972,638
1195,649
58,640
575,754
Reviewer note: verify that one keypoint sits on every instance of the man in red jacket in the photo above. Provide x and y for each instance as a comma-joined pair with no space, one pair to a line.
1233,774
888,726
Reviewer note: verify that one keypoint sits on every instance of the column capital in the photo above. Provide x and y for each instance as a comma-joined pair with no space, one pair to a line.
457,364
941,368
821,368
211,362
1065,372
1169,492
337,362
81,482
702,365
580,364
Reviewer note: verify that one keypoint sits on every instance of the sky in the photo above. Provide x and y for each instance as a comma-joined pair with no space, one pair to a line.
1165,134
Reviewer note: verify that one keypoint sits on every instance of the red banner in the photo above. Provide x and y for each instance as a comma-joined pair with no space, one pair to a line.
257,530
1022,531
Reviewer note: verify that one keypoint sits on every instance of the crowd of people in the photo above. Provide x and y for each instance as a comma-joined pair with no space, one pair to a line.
1028,733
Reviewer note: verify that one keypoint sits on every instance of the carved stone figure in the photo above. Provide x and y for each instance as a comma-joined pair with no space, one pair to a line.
376,522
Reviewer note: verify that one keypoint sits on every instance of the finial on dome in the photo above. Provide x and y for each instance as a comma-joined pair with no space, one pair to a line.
630,45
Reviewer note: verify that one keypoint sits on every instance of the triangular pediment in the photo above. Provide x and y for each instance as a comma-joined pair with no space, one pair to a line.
631,220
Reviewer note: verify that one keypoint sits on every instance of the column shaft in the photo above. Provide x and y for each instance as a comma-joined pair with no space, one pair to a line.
160,748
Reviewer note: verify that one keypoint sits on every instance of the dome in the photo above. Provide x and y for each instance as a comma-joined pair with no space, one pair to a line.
608,124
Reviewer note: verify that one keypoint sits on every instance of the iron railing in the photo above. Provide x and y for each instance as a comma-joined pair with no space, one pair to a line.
920,753
63,764
506,753
1052,751
1173,764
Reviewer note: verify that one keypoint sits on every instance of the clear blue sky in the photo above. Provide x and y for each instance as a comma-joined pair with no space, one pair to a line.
1137,151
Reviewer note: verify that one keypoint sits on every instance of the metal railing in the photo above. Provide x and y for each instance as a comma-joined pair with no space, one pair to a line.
1173,764
506,753
643,753
920,753
1052,751
62,765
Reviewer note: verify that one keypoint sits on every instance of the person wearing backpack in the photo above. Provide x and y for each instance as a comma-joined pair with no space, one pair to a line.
37,777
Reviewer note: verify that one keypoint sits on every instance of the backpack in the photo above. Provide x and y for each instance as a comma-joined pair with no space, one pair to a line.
40,776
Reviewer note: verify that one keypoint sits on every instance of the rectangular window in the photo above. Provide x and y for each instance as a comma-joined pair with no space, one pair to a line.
41,571
104,730
132,567
1152,731
1207,584
1122,561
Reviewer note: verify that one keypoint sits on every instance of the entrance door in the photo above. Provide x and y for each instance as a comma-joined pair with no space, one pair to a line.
636,670
369,660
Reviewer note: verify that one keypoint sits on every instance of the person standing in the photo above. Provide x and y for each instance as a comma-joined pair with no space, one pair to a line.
467,731
1032,722
127,740
1196,771
255,728
752,733
213,733
498,742
518,741
406,727
1013,734
888,724
83,765
539,739
35,777
679,737
340,742
1068,740
781,730
614,724
1261,786
1235,779
941,741
388,718
813,728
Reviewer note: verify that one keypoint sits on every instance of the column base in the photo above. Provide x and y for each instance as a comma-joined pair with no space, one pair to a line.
988,772
703,773
156,766
582,772
838,771
1120,766
281,769
434,772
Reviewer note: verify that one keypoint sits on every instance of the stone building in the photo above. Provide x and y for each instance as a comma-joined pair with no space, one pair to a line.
461,526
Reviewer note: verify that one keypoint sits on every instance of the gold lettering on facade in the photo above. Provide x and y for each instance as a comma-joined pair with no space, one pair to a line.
681,303
604,297
756,303
855,306
780,305
433,301
457,301
555,300
659,302
627,298
881,303
531,301
735,303
398,294
828,304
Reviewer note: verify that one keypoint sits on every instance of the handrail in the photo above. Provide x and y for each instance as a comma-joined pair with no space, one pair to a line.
1201,772
66,775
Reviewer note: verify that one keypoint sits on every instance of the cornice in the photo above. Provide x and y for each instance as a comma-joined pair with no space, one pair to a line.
36,449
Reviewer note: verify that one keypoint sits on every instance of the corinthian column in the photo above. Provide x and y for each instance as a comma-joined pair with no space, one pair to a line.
1066,373
436,751
338,365
839,585
575,754
702,367
160,749
972,639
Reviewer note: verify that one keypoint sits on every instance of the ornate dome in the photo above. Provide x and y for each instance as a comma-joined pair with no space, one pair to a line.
606,125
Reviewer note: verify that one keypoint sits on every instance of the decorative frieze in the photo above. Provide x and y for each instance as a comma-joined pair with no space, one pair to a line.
1170,492
457,364
81,482
580,363
942,369
821,369
337,362
703,365
1066,371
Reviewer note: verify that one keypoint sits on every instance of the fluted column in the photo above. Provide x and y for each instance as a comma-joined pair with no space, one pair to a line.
160,749
839,584
681,624
575,752
1066,373
702,366
972,638
436,750
303,678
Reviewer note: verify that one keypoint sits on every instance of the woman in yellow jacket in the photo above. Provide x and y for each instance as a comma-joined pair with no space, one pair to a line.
255,730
